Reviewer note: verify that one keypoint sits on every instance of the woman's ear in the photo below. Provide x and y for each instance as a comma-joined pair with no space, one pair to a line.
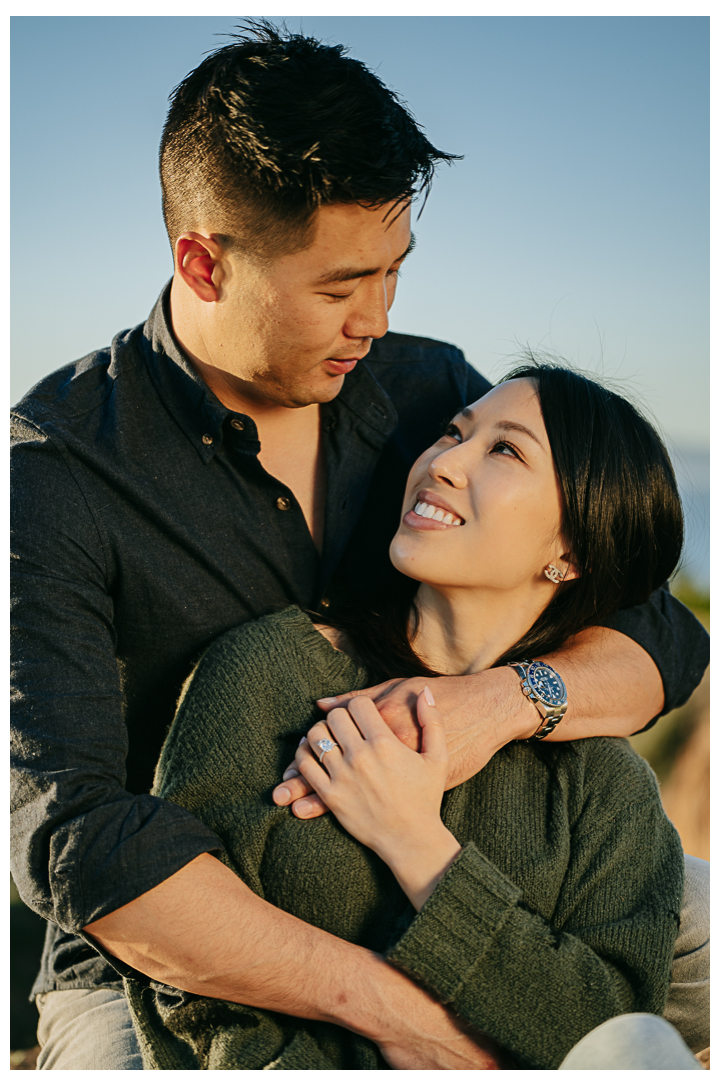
569,570
562,570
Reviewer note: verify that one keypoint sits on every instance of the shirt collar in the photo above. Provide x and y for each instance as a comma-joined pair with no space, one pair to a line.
365,397
202,416
190,401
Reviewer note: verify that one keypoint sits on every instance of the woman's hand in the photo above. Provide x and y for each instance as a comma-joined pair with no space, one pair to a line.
386,795
481,713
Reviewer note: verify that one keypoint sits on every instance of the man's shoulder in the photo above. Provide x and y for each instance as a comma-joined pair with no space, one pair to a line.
407,348
73,391
407,365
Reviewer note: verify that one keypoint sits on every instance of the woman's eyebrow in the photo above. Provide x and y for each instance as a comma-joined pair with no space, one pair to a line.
350,273
512,425
504,425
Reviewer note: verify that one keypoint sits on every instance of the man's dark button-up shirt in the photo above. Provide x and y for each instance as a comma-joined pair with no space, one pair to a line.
145,526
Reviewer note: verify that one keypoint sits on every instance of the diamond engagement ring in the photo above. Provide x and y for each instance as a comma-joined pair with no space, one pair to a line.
326,746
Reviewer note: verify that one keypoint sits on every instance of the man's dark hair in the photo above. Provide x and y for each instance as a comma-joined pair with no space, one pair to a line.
271,127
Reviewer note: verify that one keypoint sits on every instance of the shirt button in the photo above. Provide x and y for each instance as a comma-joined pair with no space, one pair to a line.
325,602
283,503
237,424
207,439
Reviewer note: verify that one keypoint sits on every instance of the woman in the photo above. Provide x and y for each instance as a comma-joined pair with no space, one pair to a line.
540,898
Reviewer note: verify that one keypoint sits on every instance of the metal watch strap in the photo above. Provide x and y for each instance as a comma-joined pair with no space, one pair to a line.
554,713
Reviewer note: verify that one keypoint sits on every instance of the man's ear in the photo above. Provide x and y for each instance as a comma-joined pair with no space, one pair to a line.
198,260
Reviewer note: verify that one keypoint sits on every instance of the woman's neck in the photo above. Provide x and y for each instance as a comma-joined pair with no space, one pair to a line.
460,631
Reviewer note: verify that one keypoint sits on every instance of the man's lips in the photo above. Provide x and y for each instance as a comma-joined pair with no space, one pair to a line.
340,367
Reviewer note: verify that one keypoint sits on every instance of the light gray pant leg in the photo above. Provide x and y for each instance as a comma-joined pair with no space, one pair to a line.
86,1029
632,1041
688,1004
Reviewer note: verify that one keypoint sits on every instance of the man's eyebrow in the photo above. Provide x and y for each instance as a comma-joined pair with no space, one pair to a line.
351,273
506,425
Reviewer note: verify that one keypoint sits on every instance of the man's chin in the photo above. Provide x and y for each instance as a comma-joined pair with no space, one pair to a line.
300,397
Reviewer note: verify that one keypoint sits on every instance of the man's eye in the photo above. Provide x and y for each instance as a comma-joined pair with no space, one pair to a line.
504,448
337,296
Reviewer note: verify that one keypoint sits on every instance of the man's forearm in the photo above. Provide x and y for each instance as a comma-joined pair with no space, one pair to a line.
614,686
203,930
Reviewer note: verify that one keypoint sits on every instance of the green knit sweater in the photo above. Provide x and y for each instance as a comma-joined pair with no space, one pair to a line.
561,910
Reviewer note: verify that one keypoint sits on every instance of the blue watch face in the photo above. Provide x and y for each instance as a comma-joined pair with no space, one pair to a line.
547,684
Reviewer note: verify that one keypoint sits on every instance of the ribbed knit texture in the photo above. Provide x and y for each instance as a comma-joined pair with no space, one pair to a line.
560,912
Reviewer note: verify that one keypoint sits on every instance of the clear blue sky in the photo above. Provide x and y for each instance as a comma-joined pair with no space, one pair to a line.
577,222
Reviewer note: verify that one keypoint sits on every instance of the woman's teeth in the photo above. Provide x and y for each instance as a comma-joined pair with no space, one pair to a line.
427,510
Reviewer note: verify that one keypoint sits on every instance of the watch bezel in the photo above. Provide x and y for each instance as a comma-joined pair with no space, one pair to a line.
532,667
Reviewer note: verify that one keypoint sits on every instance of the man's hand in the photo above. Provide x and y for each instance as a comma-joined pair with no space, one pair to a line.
425,1035
614,688
481,712
410,1027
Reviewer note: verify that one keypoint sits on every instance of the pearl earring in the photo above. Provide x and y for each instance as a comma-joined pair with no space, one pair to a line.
553,574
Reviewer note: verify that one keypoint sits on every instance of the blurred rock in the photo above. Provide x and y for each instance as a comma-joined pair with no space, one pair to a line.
686,791
24,1059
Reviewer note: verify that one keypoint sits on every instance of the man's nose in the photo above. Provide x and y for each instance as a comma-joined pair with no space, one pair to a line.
370,318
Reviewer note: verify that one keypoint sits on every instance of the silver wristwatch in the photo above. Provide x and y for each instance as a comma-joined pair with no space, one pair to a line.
542,685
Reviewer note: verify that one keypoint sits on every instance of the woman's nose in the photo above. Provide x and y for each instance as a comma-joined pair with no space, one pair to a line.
448,467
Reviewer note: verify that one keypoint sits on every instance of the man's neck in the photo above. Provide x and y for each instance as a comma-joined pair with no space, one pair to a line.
238,396
291,439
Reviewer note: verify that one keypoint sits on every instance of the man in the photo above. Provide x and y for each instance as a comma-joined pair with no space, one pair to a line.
243,450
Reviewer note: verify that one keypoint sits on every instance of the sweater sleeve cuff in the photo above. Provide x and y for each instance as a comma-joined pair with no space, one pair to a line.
457,923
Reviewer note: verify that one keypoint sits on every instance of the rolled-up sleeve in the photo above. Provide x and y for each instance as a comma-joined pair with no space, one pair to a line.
81,845
673,637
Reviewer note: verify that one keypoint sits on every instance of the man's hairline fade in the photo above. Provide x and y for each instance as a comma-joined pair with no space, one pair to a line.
263,223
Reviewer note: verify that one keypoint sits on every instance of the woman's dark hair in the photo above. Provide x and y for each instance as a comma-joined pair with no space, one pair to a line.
273,125
622,523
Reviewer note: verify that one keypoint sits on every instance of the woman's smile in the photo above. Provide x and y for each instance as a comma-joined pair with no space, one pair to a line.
431,511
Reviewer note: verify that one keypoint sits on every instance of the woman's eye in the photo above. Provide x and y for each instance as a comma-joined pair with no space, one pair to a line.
453,431
504,448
